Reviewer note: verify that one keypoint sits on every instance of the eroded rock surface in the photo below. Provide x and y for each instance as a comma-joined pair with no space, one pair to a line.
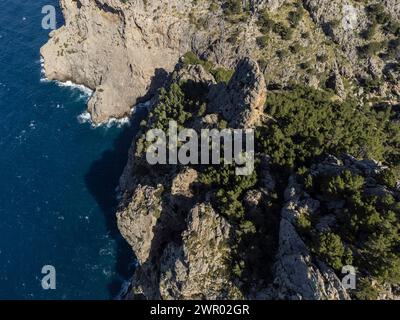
242,101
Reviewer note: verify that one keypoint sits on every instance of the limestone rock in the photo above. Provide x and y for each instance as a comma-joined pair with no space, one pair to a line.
137,221
242,102
196,74
342,21
197,269
182,182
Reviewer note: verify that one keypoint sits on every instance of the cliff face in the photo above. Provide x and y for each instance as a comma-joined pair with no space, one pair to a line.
116,49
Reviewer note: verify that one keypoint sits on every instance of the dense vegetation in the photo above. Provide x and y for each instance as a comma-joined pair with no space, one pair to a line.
307,123
366,234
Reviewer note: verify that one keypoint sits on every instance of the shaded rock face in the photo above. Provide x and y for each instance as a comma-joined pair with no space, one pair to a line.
335,82
182,245
242,102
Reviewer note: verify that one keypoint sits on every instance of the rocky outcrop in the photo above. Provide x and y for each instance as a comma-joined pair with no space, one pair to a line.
297,276
198,268
138,220
242,102
179,258
333,166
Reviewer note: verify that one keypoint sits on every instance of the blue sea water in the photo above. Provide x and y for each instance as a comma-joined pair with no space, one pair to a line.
57,175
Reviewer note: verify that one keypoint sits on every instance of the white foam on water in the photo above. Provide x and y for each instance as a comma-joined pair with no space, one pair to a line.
86,91
116,122
84,117
42,72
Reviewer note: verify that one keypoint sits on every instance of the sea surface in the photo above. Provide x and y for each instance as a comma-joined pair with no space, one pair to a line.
58,174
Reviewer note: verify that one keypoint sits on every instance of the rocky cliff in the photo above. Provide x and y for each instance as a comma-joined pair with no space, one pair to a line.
318,80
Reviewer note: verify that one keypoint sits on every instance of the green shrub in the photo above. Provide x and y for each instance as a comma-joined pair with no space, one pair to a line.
365,290
371,49
285,32
222,75
330,248
295,17
262,41
369,33
190,58
387,178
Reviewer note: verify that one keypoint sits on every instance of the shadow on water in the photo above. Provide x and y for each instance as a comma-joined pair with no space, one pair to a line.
102,180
